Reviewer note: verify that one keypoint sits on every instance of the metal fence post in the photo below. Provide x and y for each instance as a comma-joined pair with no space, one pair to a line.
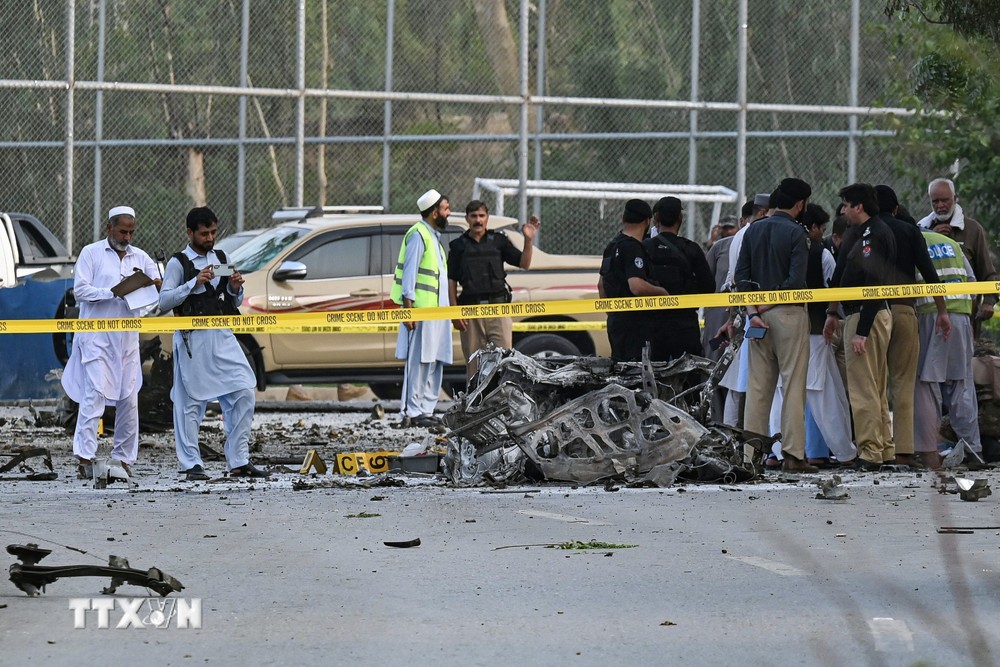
241,149
390,32
522,147
70,86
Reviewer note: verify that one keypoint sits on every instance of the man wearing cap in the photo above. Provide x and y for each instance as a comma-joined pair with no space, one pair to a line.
904,341
420,282
625,273
774,256
209,364
678,265
948,218
104,367
867,258
475,261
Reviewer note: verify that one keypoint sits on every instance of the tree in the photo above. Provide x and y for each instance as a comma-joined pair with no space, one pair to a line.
954,84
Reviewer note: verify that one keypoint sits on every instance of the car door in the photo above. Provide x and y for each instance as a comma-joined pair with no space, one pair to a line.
339,277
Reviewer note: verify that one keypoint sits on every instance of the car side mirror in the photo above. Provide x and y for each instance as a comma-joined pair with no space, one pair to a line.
289,270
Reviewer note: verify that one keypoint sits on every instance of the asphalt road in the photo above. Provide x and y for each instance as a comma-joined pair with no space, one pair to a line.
759,574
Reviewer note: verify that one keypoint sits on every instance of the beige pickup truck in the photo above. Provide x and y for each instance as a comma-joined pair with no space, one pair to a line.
329,261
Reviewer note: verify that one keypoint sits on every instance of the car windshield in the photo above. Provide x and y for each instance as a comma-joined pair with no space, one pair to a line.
259,251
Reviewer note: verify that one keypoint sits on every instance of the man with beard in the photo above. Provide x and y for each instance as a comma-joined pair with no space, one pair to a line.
418,283
625,273
475,261
679,266
867,257
773,256
209,364
104,368
949,218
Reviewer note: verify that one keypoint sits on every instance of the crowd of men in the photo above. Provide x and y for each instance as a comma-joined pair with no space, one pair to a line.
820,377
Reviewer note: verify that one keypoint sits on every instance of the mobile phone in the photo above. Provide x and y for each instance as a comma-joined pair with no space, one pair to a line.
714,343
223,270
755,332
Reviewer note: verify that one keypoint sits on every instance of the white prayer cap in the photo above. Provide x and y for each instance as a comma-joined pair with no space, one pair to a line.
121,210
428,199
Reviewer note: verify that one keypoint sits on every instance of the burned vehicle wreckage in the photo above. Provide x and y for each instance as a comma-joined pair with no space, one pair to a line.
590,419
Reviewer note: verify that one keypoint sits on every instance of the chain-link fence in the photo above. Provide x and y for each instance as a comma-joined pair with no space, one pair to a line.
249,106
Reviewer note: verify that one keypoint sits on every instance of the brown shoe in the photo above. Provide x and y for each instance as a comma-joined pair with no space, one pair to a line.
792,464
930,459
910,460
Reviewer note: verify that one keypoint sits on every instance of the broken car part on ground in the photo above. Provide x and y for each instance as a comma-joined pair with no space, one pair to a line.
32,578
587,419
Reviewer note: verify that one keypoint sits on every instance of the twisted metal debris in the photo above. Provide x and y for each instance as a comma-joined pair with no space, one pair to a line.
587,419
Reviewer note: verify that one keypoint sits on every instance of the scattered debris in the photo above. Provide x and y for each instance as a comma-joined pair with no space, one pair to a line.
32,578
668,623
21,459
362,515
589,419
109,471
972,489
403,545
832,489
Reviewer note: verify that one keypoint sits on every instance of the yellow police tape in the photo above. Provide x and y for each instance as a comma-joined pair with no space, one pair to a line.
386,321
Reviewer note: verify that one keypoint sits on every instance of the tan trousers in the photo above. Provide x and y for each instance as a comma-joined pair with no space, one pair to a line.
866,379
785,351
496,330
904,347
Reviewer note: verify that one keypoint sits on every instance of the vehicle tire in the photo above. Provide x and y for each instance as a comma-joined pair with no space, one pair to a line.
62,342
387,391
546,345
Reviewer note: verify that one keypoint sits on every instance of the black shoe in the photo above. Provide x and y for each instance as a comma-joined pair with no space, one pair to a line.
196,474
864,465
426,421
249,471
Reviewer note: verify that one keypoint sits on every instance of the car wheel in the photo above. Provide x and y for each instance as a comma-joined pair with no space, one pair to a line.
546,345
387,391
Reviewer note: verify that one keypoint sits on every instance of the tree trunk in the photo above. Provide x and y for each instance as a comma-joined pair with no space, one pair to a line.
501,49
195,184
321,180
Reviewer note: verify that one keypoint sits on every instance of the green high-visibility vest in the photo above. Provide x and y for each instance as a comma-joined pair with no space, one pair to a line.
428,271
949,262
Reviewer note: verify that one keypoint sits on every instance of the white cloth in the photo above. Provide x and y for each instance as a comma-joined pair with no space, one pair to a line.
734,255
957,219
104,368
433,338
430,343
208,364
827,399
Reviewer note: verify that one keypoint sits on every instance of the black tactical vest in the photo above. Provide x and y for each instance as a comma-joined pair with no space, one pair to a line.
481,274
669,267
213,301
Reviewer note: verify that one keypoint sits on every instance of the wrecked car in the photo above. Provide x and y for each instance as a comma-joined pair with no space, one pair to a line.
590,419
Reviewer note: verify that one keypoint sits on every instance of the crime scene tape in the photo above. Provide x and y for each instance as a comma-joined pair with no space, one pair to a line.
356,321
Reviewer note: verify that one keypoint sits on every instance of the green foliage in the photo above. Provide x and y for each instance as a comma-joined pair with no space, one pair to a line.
592,544
954,84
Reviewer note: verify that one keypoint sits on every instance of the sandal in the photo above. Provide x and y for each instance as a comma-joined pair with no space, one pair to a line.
772,462
248,471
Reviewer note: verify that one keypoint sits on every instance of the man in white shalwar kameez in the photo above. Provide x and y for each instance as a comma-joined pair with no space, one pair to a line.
208,364
420,282
104,368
